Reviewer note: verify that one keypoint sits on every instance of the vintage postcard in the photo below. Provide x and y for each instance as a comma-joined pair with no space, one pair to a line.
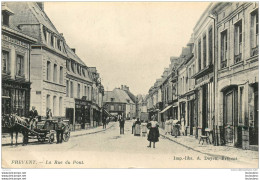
130,84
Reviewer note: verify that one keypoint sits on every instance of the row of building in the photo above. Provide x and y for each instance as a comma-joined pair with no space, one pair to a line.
212,87
40,69
120,102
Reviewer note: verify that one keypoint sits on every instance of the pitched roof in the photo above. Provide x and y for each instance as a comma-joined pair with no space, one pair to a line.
108,95
131,95
72,55
123,96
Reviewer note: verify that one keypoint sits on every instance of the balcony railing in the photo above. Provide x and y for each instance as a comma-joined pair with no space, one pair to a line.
254,51
238,58
223,64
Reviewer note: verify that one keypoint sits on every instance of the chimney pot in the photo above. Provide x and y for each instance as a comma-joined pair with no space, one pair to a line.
73,49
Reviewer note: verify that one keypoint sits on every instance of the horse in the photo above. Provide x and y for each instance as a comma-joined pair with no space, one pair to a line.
9,125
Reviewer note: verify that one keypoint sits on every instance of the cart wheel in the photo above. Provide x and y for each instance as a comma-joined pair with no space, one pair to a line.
66,136
51,138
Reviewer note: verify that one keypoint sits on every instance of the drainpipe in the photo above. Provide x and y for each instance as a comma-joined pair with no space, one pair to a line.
215,68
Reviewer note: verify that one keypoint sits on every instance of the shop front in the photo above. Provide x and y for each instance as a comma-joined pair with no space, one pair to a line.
15,97
191,113
82,114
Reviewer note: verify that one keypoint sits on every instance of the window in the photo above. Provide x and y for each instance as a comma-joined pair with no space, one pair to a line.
59,44
85,91
112,107
44,33
68,65
119,107
67,88
199,55
60,106
254,33
83,72
224,49
78,91
19,65
71,89
52,40
72,66
79,69
5,19
48,70
61,75
5,62
54,106
210,46
238,41
55,73
112,99
48,102
204,51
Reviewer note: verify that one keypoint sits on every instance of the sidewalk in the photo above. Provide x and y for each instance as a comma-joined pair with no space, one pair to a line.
6,138
190,142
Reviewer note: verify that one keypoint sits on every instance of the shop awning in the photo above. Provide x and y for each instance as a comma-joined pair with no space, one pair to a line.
107,113
165,109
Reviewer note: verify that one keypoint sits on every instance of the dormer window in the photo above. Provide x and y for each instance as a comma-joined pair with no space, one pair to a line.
6,13
72,66
52,40
83,72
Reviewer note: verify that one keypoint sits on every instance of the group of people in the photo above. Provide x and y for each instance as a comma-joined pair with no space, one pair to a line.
139,128
33,120
172,127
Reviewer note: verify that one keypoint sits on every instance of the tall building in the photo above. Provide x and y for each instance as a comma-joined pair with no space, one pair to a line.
16,79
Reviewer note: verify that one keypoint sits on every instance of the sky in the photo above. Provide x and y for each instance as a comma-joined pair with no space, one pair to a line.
130,43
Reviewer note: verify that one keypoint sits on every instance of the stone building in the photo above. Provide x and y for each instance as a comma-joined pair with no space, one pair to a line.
237,73
16,80
48,58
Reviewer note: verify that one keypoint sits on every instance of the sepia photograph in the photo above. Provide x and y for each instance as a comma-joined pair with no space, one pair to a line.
129,85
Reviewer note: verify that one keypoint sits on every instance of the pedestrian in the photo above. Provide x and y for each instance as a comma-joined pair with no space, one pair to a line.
144,128
153,135
175,128
121,125
60,130
137,127
104,122
133,126
33,116
48,114
182,125
167,126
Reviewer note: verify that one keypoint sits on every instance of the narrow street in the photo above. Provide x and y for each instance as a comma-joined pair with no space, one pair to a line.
109,149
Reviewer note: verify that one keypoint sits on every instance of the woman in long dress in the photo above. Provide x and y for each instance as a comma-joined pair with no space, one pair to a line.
153,135
137,127
144,128
168,127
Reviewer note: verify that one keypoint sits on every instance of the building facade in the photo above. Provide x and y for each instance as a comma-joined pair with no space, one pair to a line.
16,84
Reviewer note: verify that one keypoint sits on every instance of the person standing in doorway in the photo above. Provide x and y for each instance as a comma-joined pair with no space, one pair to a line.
33,115
104,122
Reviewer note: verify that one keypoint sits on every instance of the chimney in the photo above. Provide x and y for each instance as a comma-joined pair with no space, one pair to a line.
74,50
41,5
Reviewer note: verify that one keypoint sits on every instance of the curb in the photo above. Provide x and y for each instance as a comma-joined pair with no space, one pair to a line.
190,148
87,133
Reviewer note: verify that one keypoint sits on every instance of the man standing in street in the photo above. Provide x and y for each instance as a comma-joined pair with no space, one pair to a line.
33,115
104,123
60,129
121,124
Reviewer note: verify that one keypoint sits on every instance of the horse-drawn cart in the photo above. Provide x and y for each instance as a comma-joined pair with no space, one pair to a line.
46,131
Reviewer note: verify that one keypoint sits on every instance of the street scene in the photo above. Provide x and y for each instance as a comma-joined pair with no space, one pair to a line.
114,88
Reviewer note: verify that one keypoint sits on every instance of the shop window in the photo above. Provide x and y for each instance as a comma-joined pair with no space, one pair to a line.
48,70
254,33
61,75
5,62
204,51
55,73
199,55
210,46
19,65
224,48
238,41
